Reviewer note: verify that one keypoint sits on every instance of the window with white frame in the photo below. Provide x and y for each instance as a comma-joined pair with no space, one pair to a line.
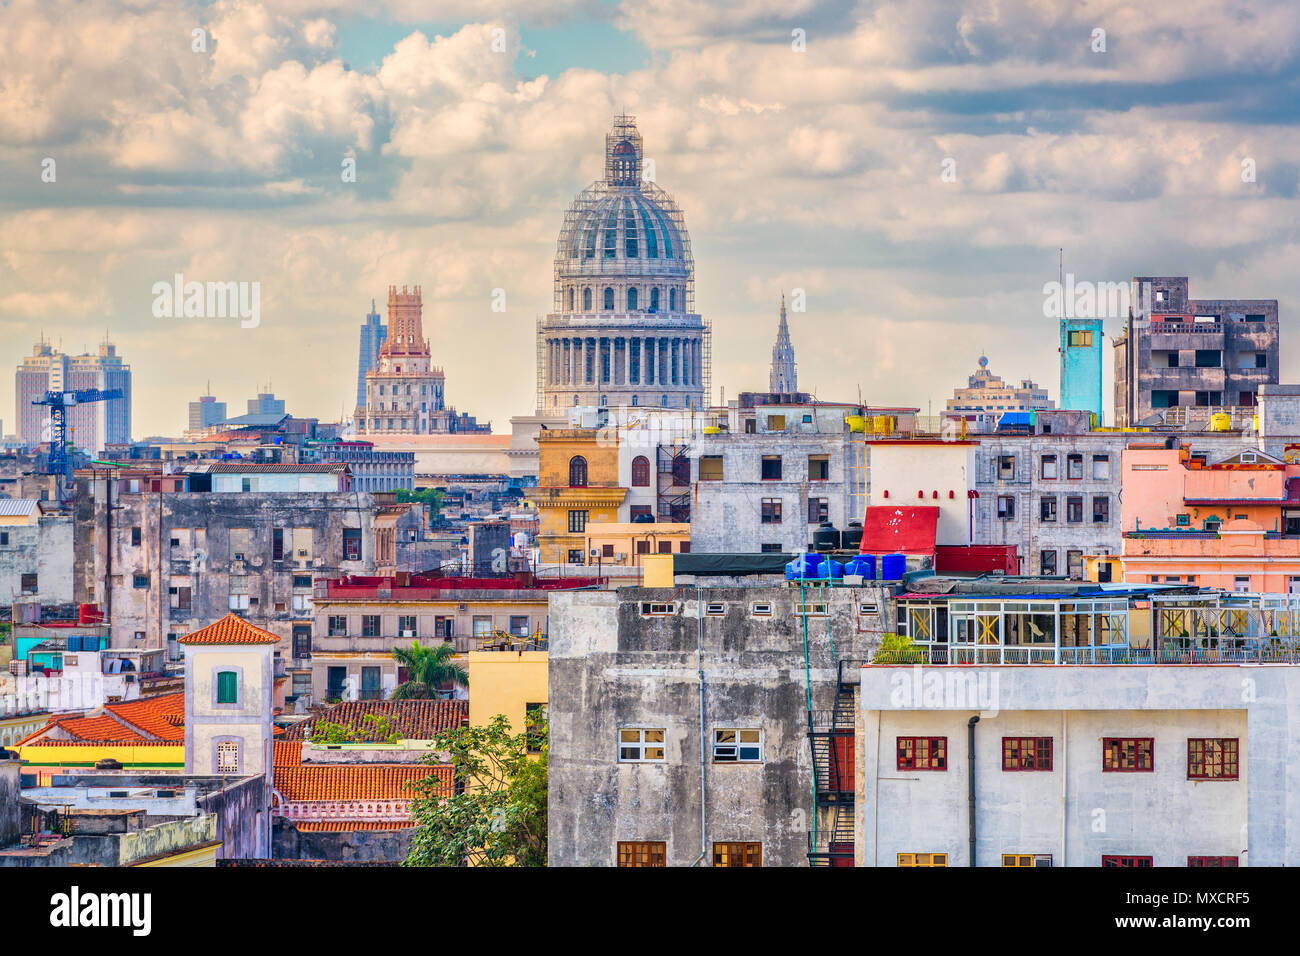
641,744
763,609
737,745
651,609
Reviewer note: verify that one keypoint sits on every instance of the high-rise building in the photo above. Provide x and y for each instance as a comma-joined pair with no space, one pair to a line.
206,412
404,390
1185,359
373,336
90,426
623,330
782,379
266,404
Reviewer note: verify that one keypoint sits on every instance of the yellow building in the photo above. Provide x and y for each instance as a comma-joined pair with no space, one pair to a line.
510,683
577,483
631,542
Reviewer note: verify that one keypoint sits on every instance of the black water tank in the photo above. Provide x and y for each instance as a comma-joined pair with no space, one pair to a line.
851,540
108,763
826,537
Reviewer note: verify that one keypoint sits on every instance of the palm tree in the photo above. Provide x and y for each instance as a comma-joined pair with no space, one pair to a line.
428,668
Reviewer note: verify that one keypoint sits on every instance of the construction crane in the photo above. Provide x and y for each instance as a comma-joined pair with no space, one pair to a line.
59,402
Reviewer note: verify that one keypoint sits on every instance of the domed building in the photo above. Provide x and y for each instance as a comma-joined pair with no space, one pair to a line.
623,330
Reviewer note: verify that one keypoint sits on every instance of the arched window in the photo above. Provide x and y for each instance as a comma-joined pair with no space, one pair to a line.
570,298
577,471
634,400
609,299
586,300
604,400
631,300
672,300
640,472
654,300
663,400
575,399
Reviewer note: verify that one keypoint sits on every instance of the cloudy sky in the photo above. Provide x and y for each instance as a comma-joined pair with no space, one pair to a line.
817,168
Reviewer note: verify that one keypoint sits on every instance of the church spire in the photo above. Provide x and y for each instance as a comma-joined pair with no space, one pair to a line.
781,379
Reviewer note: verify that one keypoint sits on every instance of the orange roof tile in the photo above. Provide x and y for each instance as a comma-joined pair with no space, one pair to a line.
162,717
357,781
231,629
340,826
410,719
98,743
288,753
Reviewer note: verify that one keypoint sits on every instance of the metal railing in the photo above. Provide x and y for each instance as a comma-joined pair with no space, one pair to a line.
1166,651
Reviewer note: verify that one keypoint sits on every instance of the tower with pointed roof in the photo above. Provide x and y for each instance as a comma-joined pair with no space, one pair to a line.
781,380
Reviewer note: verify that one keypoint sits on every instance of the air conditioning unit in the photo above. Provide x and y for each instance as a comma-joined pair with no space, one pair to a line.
257,561
408,634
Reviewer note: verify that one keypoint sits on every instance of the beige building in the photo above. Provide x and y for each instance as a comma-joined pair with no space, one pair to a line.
618,542
986,398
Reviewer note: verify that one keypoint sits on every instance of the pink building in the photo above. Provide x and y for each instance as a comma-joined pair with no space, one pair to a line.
1232,524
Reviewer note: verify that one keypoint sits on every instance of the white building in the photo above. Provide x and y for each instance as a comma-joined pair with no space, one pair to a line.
1124,765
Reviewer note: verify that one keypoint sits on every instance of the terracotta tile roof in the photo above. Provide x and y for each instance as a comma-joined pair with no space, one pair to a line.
288,753
98,743
411,719
162,717
342,826
159,719
231,629
357,781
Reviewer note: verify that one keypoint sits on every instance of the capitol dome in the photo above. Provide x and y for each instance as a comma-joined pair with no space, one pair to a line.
623,329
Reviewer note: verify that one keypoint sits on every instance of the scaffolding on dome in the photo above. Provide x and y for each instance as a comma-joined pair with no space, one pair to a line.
624,177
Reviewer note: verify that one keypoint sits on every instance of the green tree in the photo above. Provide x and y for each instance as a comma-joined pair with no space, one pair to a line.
428,668
497,817
431,498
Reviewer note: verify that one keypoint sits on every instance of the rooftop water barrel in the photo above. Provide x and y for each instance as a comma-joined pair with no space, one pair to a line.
863,565
804,566
851,539
826,537
856,423
831,569
893,567
1220,422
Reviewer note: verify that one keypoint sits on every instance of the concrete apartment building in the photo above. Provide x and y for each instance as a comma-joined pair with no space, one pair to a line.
679,721
164,560
986,398
1182,359
35,553
769,484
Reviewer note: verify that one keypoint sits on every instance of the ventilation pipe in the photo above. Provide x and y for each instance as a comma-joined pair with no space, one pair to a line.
970,773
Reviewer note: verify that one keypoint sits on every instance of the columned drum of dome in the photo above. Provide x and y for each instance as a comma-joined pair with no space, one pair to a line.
623,328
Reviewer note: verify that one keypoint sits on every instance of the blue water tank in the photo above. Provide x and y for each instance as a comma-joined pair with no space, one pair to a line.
831,569
74,643
804,566
863,565
893,567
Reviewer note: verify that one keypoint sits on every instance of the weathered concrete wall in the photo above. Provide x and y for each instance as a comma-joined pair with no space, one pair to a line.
209,530
726,515
382,846
612,668
43,548
10,808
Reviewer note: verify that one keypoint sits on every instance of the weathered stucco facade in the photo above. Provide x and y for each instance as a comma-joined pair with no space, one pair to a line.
647,658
